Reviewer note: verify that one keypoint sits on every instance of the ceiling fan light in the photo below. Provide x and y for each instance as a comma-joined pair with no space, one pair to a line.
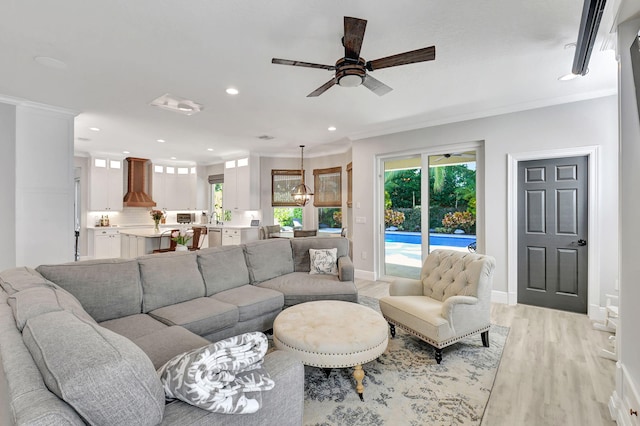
350,80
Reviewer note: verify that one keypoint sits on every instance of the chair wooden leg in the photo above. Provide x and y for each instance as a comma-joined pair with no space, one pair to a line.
438,355
392,329
485,338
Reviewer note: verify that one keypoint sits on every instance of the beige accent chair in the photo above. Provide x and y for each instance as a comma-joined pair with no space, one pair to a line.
452,299
270,231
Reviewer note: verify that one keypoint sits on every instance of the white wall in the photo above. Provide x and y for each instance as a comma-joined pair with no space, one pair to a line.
586,123
7,185
627,394
43,185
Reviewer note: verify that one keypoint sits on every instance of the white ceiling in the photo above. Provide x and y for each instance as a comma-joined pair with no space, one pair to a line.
492,56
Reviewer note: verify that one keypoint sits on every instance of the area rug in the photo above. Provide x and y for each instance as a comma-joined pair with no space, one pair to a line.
405,386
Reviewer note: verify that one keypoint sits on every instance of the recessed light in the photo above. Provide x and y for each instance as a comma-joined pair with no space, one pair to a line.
50,62
173,158
160,140
232,91
209,149
95,129
126,152
331,129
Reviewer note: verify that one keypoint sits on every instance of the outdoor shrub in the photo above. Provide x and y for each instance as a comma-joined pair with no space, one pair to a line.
459,220
393,218
441,230
436,214
412,219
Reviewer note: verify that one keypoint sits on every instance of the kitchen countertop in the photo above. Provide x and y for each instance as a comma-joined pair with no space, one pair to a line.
212,226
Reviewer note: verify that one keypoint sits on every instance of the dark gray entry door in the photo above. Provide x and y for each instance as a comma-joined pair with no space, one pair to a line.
552,233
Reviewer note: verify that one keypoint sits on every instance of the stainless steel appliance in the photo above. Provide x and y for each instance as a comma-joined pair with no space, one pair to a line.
215,237
185,217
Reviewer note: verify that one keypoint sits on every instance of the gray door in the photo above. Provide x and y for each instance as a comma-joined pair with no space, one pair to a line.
552,233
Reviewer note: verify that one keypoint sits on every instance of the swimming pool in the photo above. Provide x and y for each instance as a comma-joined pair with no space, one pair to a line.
451,240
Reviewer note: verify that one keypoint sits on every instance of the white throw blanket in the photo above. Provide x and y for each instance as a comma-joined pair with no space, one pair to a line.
224,377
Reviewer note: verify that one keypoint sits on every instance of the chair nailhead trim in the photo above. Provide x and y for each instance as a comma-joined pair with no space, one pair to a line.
432,342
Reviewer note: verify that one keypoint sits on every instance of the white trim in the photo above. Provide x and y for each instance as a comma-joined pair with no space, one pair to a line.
35,105
364,275
378,217
624,398
593,253
498,296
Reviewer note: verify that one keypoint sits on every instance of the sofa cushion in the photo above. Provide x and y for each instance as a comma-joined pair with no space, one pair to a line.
17,279
267,259
252,301
202,316
169,278
105,377
36,301
162,345
27,401
107,288
134,326
299,287
301,246
223,268
323,261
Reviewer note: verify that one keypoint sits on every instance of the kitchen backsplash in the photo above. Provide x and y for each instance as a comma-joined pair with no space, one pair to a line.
136,216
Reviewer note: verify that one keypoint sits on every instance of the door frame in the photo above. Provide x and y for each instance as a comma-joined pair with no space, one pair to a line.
424,152
593,249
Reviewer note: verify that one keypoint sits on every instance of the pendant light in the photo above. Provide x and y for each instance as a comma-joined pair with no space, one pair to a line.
301,193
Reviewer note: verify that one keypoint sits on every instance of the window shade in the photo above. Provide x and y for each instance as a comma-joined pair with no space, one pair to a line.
328,187
282,183
216,179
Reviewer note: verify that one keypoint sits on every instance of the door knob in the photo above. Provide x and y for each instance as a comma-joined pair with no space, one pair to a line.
582,242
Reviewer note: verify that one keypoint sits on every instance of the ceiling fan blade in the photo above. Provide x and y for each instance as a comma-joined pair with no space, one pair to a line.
302,64
353,36
320,90
419,55
376,86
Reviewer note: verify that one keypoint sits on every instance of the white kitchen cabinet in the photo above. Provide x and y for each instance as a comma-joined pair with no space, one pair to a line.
242,184
132,246
106,184
104,243
235,236
174,187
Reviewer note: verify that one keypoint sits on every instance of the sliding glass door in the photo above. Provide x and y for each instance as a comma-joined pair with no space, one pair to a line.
402,236
429,203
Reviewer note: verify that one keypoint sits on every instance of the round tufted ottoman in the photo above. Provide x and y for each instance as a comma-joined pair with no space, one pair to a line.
332,334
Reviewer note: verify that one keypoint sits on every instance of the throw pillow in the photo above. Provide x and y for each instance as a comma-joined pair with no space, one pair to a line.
224,377
324,261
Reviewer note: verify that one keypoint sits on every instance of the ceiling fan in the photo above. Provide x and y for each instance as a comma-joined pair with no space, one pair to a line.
351,71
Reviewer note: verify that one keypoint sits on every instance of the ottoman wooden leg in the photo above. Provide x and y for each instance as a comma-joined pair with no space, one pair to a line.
358,374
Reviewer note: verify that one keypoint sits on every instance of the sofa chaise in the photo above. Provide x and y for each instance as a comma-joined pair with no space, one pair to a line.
81,342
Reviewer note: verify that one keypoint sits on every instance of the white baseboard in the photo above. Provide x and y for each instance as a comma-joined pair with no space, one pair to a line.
597,313
365,275
500,297
625,399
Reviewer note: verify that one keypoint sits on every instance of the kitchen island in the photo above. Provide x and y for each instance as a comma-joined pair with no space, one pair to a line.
140,241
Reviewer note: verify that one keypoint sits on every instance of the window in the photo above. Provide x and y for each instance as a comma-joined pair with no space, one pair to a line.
282,183
330,219
328,187
216,183
288,217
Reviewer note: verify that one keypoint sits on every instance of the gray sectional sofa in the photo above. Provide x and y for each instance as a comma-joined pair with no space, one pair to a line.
80,342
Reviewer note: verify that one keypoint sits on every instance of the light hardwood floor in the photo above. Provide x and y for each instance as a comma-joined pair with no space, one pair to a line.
550,372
